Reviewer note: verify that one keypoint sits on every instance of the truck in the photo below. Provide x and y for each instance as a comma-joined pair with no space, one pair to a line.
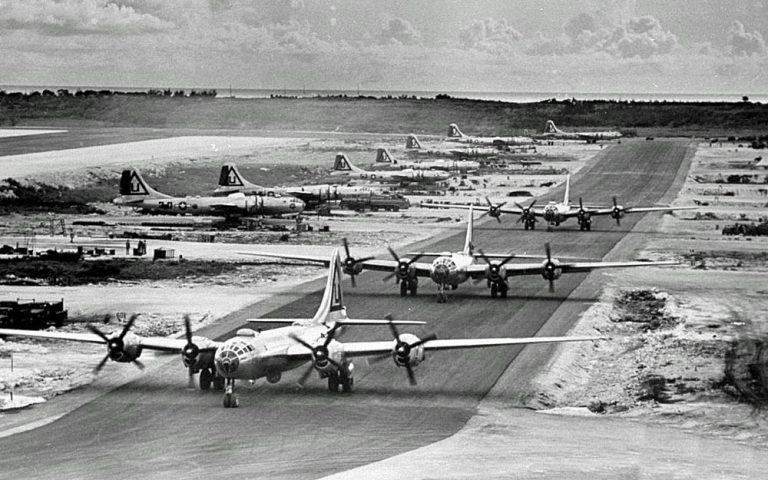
31,315
375,202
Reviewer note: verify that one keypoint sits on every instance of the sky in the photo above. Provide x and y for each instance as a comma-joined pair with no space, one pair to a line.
594,46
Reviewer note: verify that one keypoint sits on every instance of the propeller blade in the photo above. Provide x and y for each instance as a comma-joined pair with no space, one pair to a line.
386,278
139,364
188,328
501,204
506,260
551,286
519,206
128,325
101,364
549,251
394,255
482,255
297,339
615,203
392,327
498,219
618,221
488,201
352,279
346,246
581,204
98,332
331,334
411,376
304,376
415,259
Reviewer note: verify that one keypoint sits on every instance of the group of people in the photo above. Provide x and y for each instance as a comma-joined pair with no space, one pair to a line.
141,248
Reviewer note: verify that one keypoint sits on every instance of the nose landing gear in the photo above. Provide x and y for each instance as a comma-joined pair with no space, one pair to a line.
230,399
442,297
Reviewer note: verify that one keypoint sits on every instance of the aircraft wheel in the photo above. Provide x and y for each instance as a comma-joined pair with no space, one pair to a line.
454,287
206,378
581,227
231,401
403,288
589,227
347,383
526,225
414,288
503,289
533,226
333,383
218,383
494,289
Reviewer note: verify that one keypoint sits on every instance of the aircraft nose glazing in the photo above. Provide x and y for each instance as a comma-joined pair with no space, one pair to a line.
227,362
442,268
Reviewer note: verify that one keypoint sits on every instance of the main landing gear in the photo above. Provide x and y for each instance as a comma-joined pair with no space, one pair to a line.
342,380
409,285
208,377
530,225
550,226
499,289
585,225
230,399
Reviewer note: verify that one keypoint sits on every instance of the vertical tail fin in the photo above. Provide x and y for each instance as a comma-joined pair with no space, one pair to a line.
413,143
342,164
469,247
230,177
331,307
383,156
567,196
454,132
551,128
133,185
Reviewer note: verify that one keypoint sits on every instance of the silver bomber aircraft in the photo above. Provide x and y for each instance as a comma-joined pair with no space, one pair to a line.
552,132
232,181
136,193
455,135
555,213
342,166
449,269
251,354
383,156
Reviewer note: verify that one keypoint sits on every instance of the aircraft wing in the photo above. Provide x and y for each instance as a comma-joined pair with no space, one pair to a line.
163,344
478,208
422,269
520,269
362,349
608,211
348,321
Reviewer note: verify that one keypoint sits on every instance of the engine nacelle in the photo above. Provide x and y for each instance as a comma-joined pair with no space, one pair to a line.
335,353
408,355
617,212
126,350
352,268
551,269
495,273
405,271
202,360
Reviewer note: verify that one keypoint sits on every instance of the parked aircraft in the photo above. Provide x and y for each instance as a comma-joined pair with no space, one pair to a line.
342,166
552,132
251,354
414,148
449,269
383,156
455,135
136,193
231,181
555,213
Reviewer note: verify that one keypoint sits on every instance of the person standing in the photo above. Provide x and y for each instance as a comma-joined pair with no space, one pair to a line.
127,247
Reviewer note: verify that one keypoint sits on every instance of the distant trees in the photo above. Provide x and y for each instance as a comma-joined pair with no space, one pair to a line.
63,92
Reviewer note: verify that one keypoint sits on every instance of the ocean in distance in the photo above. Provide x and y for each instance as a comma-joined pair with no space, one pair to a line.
514,97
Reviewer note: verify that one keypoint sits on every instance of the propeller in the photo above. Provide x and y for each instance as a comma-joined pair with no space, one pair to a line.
403,349
525,212
403,266
495,268
190,351
494,210
549,268
350,262
617,209
115,345
320,354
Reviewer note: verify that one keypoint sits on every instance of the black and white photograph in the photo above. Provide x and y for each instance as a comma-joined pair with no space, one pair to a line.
347,239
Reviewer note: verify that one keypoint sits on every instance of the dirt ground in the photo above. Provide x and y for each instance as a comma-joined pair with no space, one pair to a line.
670,330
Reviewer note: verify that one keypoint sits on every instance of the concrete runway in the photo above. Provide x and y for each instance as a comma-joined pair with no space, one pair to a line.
155,428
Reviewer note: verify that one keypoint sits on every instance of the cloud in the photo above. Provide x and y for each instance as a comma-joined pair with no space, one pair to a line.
399,31
745,43
489,35
77,17
638,37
